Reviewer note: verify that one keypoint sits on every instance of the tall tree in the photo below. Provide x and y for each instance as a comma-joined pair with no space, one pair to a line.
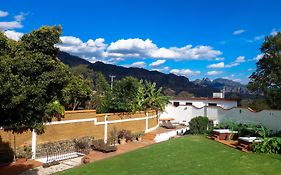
77,91
103,94
31,77
124,95
267,77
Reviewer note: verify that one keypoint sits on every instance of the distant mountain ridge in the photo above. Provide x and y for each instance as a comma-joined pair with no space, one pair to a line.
230,86
200,88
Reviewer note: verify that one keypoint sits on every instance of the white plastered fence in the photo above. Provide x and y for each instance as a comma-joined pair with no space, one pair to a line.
268,118
95,122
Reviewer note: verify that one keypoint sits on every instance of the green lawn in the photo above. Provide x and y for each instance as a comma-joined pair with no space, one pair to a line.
187,155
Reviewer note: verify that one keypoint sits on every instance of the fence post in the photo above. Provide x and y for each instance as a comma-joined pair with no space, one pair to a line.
205,111
33,146
105,129
146,121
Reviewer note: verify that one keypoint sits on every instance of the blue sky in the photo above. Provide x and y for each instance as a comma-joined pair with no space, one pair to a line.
196,39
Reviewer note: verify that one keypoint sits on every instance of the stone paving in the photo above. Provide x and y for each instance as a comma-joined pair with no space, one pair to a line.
64,165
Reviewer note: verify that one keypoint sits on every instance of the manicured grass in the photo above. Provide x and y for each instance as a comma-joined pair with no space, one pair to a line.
187,155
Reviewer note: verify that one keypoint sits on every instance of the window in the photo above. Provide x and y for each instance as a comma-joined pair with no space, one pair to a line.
212,104
188,104
176,104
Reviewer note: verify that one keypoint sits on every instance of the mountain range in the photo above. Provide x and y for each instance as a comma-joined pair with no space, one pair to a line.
200,88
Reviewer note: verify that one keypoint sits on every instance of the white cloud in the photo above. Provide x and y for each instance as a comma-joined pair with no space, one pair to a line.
138,48
274,31
260,37
157,63
139,64
13,34
10,25
184,72
237,62
240,59
233,64
70,40
20,17
133,48
217,65
250,69
210,73
163,69
16,24
166,68
231,78
258,57
91,50
3,13
238,32
219,59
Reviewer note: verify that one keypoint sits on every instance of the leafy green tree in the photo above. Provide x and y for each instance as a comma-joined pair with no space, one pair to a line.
103,94
31,77
83,70
139,104
267,77
124,95
77,91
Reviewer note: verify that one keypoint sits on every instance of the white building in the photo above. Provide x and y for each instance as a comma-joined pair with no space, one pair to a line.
184,109
202,102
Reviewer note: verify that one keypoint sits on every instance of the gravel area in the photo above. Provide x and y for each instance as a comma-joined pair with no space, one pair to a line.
64,165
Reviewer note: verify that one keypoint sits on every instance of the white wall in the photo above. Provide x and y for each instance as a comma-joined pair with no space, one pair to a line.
201,103
268,118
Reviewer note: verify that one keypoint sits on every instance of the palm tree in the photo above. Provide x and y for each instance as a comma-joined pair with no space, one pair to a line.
154,99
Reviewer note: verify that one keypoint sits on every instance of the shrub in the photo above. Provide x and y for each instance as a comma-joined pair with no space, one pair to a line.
6,152
198,125
269,145
24,152
80,144
125,134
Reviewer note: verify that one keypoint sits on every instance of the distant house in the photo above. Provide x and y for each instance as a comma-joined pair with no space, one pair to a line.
217,100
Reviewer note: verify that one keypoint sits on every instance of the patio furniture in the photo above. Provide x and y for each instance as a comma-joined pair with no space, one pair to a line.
99,145
246,143
223,134
169,125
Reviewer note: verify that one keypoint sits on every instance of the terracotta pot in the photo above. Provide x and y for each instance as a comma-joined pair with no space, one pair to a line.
85,160
21,160
139,139
122,141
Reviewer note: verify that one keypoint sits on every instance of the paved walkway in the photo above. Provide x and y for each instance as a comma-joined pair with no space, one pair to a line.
96,155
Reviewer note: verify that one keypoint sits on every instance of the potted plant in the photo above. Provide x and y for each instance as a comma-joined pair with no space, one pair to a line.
23,154
139,136
122,136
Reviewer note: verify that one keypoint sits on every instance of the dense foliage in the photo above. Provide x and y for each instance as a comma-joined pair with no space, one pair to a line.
269,145
31,77
198,125
245,129
128,95
267,77
77,91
